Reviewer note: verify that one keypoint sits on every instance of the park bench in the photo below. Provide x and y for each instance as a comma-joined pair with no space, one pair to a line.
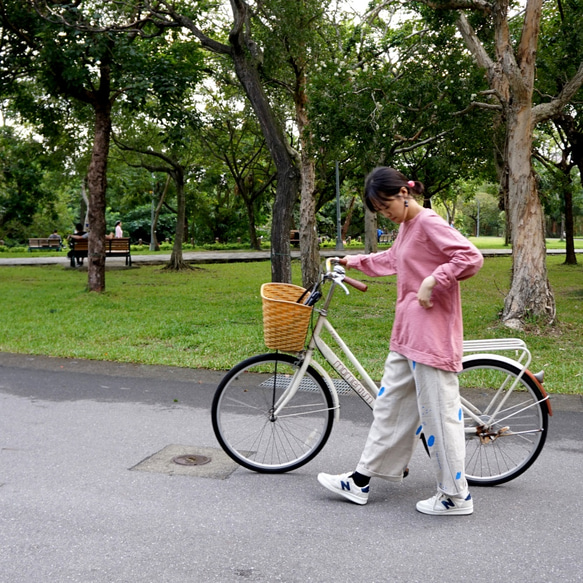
113,248
45,244
389,238
294,238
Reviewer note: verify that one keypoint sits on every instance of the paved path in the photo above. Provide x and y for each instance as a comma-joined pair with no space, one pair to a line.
89,494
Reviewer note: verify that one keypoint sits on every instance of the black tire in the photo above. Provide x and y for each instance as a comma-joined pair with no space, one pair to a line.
507,444
245,427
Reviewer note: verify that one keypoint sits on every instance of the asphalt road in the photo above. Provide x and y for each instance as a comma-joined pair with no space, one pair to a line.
89,493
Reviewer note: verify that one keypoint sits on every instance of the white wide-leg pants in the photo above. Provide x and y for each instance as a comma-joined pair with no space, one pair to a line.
416,398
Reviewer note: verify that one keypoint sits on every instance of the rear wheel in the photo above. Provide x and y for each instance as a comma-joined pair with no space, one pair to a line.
246,426
511,425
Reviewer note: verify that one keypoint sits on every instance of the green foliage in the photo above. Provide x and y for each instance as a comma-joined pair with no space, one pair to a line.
383,91
29,193
136,223
392,93
483,208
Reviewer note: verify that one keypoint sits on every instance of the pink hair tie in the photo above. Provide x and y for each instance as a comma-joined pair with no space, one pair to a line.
411,184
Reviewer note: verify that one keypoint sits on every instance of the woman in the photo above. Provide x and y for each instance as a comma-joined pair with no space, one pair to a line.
118,230
419,390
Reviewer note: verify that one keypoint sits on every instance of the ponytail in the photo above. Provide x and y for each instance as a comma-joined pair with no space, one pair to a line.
385,183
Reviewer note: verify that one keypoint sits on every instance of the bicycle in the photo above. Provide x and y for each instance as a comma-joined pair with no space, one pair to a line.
274,412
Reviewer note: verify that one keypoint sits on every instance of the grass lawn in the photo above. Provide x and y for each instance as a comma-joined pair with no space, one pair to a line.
211,317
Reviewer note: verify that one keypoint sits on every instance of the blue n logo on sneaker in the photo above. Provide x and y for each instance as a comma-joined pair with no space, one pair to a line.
448,503
345,485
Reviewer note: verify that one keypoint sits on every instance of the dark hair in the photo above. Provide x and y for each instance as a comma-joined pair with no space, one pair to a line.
118,223
385,183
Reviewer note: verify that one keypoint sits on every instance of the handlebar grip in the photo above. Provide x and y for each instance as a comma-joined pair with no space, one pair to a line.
359,285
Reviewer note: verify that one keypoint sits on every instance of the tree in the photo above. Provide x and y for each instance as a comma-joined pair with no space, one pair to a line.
292,39
164,133
559,53
171,164
247,58
79,66
24,189
231,134
511,76
395,92
77,55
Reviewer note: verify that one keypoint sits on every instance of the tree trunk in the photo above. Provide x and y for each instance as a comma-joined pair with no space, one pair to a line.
254,240
309,246
176,261
370,231
154,245
247,61
570,255
530,293
348,218
500,161
97,186
575,138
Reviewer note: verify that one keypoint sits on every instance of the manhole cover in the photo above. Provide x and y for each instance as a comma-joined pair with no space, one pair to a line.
191,460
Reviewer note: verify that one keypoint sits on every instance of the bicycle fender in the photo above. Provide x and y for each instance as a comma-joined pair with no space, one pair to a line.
542,390
515,363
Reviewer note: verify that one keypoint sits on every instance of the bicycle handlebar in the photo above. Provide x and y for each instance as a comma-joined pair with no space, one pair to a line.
359,285
355,283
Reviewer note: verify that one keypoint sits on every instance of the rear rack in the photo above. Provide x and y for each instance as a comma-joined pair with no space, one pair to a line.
501,344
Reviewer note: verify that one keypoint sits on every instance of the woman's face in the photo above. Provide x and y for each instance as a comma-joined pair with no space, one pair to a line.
394,208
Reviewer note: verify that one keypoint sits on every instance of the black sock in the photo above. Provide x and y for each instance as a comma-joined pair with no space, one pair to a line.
360,480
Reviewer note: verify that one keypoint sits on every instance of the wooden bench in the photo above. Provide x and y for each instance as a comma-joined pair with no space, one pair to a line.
113,248
387,238
44,244
294,238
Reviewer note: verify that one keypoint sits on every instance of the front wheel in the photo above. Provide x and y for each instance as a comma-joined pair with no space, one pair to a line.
505,423
247,426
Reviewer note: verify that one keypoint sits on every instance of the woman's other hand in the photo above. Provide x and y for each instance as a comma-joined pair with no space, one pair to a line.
424,293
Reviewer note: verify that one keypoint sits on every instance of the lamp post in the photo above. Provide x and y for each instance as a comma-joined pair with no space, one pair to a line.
339,245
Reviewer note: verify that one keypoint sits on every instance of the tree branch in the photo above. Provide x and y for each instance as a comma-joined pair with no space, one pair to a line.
478,105
173,165
474,5
474,45
545,111
419,144
205,41
526,52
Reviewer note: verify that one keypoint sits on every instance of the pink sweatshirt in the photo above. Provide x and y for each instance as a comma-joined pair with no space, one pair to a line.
426,245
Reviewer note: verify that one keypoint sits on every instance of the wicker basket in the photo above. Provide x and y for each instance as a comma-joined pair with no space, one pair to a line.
285,322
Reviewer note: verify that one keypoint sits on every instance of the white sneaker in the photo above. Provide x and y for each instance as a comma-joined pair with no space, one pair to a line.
442,504
344,485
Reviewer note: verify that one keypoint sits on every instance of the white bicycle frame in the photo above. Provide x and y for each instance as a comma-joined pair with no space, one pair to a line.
367,389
